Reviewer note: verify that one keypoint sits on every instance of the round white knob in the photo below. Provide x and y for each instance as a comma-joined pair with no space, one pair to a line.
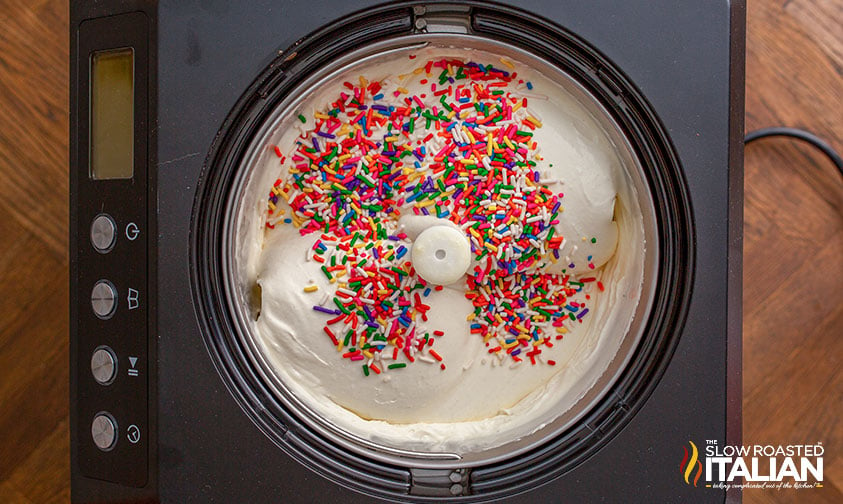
441,255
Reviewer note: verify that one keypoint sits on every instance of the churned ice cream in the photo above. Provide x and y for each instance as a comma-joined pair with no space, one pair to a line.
447,248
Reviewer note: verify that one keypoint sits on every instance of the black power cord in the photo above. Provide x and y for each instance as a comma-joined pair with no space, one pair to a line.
799,134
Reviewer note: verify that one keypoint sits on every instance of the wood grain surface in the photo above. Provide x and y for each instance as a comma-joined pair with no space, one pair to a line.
793,244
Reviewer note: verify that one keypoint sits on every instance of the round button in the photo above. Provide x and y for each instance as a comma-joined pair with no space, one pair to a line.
103,233
104,431
104,299
104,365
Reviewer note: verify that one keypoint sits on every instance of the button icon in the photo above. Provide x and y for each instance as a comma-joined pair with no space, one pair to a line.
132,231
132,371
104,299
103,233
132,298
133,434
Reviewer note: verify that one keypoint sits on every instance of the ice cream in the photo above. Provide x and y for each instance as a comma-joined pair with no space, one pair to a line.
395,161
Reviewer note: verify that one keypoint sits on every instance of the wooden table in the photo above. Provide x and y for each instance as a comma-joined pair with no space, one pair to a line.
793,262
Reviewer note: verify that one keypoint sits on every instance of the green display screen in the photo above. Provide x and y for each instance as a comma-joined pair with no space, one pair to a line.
112,127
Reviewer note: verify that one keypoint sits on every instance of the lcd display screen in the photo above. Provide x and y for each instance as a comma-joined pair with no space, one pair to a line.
112,127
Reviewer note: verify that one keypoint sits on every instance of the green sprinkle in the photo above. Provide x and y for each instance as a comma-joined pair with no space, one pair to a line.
302,119
397,366
366,369
341,306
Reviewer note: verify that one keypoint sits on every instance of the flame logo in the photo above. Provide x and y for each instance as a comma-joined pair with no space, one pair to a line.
687,466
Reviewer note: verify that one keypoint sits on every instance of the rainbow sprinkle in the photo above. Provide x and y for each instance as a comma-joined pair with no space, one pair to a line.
461,150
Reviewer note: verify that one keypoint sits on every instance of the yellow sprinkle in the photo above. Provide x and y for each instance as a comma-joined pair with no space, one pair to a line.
425,203
508,143
320,115
452,114
311,288
340,273
508,63
489,141
339,347
516,107
470,317
534,121
510,345
271,205
491,247
402,90
470,136
418,70
333,280
562,330
363,81
367,353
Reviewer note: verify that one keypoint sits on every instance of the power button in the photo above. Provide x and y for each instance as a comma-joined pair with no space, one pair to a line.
103,233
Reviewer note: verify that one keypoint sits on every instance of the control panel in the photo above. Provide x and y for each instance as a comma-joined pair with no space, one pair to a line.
110,270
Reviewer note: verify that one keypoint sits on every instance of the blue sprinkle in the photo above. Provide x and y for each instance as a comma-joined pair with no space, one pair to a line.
529,85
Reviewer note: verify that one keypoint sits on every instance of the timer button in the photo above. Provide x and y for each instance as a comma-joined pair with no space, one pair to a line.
103,365
103,233
104,299
104,431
